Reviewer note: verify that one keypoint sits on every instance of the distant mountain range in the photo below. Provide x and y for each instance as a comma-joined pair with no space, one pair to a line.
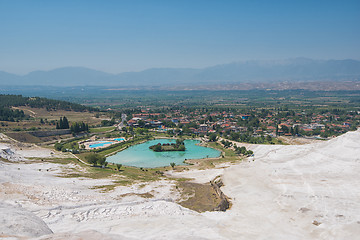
291,70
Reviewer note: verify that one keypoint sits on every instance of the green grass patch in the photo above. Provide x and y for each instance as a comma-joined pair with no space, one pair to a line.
227,152
101,129
227,155
56,160
126,175
143,195
71,175
105,188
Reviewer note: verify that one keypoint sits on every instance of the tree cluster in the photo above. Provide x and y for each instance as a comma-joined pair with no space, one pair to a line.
242,150
212,137
95,159
178,146
63,123
38,102
226,143
7,114
105,123
248,138
77,127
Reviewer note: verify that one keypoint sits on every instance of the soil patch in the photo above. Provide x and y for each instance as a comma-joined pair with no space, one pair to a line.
24,137
198,197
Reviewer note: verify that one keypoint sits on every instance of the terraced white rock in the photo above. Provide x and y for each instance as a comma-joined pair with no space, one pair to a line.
17,221
285,192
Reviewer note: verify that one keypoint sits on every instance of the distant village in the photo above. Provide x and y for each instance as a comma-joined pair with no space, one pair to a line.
257,126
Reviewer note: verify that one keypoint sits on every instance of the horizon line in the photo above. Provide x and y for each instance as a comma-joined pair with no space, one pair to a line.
198,68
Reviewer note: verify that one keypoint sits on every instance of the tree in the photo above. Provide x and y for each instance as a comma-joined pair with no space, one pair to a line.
212,137
141,123
79,127
58,146
249,152
65,123
102,161
118,165
94,159
61,124
285,129
141,131
181,147
179,142
157,147
226,143
296,130
172,165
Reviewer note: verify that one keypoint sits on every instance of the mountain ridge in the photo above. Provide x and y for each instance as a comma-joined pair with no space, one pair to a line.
297,69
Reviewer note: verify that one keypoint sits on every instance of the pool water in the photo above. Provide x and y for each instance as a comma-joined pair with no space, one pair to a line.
119,139
99,144
141,156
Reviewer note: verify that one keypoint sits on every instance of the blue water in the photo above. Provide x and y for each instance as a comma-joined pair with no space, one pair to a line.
119,139
98,144
141,156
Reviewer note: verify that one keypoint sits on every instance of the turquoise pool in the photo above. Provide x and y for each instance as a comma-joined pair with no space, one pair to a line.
141,156
119,139
99,144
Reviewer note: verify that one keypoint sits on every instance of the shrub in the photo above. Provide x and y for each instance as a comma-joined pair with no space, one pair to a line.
118,165
172,165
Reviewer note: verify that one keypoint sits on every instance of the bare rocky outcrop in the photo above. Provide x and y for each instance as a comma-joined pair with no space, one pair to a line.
224,203
8,154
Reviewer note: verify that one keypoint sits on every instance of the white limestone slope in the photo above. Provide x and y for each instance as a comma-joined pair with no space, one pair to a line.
16,221
301,192
285,192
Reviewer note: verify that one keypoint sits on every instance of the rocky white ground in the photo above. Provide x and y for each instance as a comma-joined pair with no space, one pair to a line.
307,191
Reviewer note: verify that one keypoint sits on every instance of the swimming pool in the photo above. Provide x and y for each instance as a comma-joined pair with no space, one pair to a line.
119,139
99,144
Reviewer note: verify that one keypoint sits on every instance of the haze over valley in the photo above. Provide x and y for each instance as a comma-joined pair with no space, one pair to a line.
249,72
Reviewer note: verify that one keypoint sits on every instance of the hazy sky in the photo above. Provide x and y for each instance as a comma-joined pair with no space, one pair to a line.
118,36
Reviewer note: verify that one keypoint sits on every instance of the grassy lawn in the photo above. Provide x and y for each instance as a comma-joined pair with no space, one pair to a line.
126,175
72,116
101,129
63,161
228,155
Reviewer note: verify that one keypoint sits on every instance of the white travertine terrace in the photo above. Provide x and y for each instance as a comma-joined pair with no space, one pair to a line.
285,192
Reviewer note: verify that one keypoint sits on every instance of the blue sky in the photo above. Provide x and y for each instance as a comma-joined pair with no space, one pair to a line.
119,36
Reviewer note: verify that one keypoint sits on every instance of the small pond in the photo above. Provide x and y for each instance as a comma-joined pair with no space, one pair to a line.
141,156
